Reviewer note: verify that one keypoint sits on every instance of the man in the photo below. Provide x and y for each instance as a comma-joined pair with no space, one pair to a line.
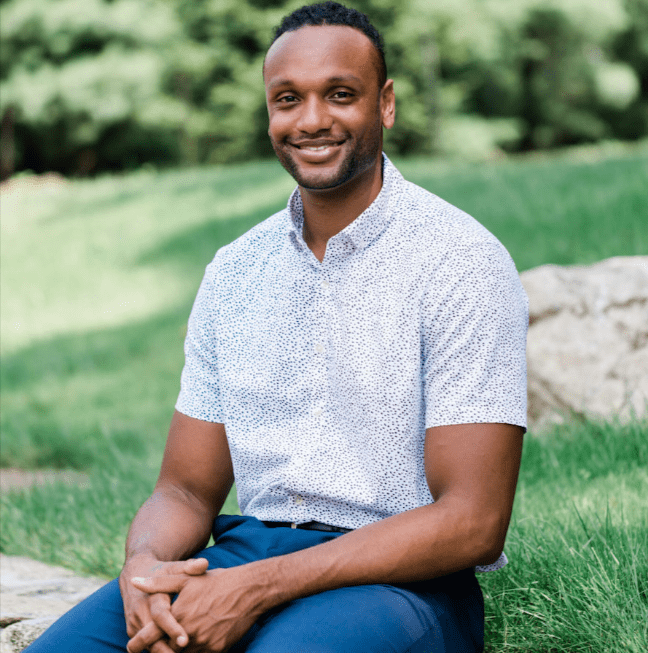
356,362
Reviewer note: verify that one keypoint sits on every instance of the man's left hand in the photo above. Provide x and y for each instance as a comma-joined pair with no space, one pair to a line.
215,609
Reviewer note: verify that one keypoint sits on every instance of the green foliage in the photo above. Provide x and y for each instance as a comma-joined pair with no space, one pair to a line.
90,85
79,78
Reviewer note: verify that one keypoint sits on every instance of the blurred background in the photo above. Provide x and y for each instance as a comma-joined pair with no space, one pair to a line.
88,86
133,145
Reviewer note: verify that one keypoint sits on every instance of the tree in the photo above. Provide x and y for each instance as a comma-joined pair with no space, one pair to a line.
91,85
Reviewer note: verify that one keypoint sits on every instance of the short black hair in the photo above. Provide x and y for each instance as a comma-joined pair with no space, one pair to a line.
333,13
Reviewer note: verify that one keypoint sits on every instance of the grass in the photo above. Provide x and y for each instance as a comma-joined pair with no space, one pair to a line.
98,279
577,580
97,283
578,576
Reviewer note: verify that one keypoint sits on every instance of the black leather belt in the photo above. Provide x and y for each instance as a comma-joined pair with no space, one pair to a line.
309,526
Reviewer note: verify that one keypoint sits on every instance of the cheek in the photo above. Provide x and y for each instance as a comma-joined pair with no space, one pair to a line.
279,125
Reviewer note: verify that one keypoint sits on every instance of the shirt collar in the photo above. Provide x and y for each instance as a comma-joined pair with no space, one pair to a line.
367,226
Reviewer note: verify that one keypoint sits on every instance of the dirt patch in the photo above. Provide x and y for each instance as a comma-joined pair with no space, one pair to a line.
29,184
17,479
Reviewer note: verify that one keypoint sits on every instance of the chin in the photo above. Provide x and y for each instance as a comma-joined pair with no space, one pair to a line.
312,179
320,182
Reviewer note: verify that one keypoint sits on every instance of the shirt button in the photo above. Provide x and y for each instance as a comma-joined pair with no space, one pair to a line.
317,411
319,348
326,284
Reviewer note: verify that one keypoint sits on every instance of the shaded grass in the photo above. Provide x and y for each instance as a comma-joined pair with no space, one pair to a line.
81,527
79,401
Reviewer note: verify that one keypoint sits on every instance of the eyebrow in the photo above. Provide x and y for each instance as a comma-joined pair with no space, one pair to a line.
331,80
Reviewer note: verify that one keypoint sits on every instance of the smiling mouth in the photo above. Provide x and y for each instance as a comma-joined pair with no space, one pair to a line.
316,148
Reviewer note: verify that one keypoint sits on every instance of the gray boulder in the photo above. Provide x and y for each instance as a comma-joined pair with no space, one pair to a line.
33,595
587,348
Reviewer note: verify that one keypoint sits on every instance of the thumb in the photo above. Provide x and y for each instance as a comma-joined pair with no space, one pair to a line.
158,584
195,566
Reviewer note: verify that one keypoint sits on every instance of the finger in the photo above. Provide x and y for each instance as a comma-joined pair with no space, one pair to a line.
196,566
166,584
150,638
144,638
191,567
161,647
160,608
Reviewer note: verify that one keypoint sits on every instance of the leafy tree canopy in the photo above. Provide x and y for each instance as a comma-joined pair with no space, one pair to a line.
90,85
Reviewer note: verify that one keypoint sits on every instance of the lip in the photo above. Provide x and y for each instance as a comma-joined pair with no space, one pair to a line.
316,151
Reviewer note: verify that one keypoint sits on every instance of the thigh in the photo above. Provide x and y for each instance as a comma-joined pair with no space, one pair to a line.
444,617
96,624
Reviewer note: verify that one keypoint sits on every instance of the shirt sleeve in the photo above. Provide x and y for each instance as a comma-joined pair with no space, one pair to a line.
474,325
200,395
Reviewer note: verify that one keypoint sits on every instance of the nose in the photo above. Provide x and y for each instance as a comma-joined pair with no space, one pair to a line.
314,116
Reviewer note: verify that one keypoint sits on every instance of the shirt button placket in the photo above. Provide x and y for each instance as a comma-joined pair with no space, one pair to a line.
319,349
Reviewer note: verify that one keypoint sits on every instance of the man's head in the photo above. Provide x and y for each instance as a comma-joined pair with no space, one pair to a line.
327,96
333,13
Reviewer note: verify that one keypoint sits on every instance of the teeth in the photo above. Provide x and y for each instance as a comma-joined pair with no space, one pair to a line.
316,149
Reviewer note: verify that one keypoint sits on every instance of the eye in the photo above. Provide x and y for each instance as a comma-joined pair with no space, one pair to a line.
342,95
287,98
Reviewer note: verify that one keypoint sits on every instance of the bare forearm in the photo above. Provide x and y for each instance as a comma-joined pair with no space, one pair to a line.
419,544
169,526
472,472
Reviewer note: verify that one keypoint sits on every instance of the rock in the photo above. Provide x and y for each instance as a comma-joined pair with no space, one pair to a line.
33,595
587,349
21,634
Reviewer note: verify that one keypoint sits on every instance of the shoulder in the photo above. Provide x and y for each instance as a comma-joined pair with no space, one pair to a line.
437,221
441,235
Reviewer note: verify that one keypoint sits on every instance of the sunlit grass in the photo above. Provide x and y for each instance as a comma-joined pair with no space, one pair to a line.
83,255
577,580
578,576
97,283
102,253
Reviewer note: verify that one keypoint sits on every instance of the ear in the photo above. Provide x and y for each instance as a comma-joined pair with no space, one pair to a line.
388,104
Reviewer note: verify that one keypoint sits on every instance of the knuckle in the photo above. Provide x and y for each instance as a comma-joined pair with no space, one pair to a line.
157,610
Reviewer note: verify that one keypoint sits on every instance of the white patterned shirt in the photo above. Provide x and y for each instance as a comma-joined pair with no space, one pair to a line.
326,374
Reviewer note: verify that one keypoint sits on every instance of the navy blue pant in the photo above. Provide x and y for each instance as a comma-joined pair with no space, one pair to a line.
442,615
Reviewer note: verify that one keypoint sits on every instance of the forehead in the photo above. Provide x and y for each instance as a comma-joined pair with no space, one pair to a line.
322,51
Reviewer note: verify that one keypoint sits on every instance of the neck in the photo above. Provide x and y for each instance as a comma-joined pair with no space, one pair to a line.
327,212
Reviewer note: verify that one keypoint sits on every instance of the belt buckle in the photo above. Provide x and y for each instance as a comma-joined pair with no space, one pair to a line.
293,524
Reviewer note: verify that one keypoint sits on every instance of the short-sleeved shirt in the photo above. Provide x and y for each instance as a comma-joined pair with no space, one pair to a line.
327,374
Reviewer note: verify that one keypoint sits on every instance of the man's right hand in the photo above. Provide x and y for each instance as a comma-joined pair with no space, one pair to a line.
140,608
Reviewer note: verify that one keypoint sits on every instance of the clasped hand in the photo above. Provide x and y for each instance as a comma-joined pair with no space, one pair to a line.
213,610
154,610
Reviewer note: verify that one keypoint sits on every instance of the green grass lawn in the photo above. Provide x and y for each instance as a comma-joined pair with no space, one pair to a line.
97,283
577,580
